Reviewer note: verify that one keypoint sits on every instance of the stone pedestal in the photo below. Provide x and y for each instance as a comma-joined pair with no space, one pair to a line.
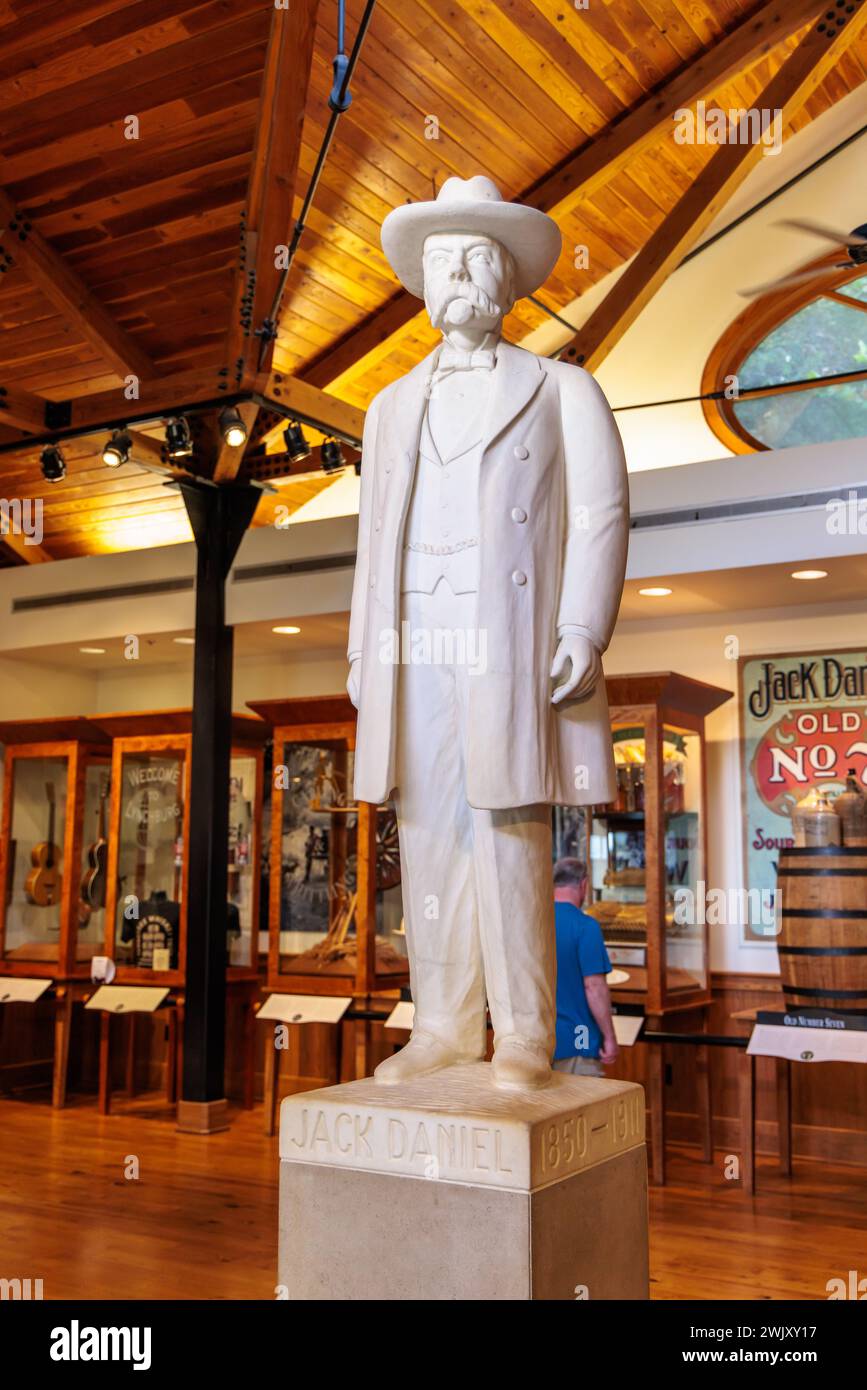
448,1188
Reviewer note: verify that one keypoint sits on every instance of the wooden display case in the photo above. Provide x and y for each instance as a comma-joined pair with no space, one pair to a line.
647,852
335,917
52,847
146,908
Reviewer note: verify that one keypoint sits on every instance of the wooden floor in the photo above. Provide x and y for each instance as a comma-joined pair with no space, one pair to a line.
201,1220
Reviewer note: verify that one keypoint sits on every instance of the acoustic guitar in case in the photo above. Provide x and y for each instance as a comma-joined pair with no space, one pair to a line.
43,884
94,881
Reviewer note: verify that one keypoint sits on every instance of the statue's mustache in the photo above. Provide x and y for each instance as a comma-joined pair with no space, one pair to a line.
471,294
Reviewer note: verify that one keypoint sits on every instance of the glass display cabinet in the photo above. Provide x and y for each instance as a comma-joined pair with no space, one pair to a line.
53,848
335,915
148,887
647,851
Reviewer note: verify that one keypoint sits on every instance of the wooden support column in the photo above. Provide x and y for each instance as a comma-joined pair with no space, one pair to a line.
219,516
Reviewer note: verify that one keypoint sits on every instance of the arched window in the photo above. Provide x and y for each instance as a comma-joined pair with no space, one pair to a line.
789,341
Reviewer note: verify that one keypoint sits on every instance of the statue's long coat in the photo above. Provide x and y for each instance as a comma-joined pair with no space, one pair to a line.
552,451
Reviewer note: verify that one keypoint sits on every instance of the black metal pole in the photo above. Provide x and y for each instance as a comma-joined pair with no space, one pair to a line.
219,516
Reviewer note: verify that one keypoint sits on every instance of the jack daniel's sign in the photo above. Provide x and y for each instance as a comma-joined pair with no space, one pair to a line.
803,725
809,680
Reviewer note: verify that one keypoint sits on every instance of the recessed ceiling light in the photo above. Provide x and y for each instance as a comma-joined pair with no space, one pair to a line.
92,651
809,574
287,630
655,592
185,641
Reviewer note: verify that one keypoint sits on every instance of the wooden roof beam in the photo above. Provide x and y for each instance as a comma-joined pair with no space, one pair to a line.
22,409
311,406
267,218
48,271
164,397
795,81
20,546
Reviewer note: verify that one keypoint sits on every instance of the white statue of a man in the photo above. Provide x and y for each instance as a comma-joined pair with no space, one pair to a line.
491,552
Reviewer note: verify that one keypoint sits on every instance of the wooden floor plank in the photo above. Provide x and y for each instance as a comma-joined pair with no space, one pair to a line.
201,1220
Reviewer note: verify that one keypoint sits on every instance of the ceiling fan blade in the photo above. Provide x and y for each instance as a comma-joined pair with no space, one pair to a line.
827,233
787,280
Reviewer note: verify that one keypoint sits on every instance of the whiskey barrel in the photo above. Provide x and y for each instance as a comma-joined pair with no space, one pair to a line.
822,942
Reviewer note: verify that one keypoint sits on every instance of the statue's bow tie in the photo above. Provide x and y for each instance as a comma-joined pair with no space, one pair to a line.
456,360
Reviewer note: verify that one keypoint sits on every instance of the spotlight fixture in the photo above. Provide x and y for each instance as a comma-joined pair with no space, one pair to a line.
656,591
178,441
331,456
809,574
232,427
52,463
117,450
296,445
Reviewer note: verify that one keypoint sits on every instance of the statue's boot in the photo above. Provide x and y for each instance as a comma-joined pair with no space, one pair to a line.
423,1054
519,1064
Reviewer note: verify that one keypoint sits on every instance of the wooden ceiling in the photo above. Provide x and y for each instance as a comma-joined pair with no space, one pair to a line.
127,135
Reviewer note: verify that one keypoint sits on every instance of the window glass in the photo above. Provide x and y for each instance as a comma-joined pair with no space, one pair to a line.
821,339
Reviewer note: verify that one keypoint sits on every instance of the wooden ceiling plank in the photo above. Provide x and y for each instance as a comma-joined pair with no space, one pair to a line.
466,79
372,337
392,94
273,172
197,64
798,77
551,57
594,163
96,59
399,77
73,157
58,20
610,151
505,70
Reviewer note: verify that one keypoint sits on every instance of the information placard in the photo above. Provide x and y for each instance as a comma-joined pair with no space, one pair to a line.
23,990
304,1008
127,999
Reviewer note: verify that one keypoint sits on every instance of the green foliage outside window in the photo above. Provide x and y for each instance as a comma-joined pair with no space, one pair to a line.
822,339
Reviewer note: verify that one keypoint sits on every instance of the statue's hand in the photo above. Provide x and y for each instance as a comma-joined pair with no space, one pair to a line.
353,681
586,668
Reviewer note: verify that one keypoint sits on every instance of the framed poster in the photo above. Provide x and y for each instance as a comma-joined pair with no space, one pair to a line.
803,724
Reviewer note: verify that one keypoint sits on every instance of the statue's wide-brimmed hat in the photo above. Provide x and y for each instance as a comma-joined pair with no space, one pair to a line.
472,205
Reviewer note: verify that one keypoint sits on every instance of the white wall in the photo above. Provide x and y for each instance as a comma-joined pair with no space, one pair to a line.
170,687
30,691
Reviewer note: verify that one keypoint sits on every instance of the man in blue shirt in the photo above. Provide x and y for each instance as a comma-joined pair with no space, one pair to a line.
585,1030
